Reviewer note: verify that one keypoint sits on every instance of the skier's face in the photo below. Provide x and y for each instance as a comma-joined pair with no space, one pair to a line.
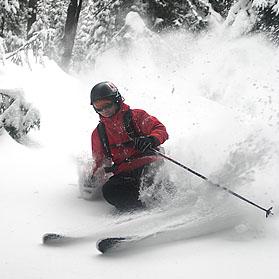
105,107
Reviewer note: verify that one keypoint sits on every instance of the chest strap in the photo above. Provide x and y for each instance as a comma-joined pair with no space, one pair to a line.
129,125
104,139
129,128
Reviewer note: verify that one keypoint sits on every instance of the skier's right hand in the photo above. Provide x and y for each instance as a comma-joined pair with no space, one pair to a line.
143,143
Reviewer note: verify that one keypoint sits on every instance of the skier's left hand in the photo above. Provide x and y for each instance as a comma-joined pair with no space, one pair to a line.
89,183
143,143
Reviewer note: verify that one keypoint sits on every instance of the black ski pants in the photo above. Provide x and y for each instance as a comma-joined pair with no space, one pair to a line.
122,190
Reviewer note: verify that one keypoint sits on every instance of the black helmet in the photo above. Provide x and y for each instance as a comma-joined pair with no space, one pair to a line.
105,90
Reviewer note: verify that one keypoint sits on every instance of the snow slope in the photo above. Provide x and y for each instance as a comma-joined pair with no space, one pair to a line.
219,100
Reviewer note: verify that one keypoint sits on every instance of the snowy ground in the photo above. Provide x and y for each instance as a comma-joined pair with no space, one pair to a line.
219,100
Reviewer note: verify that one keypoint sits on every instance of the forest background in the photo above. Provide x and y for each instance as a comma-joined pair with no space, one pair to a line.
74,32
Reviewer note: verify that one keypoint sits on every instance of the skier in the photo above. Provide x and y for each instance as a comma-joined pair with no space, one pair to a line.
121,146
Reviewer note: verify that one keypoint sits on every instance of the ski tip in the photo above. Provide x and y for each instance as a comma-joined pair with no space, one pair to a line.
108,244
51,237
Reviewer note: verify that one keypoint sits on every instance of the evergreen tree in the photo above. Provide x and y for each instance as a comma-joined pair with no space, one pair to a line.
268,19
255,16
17,116
12,19
32,14
8,10
98,25
50,23
188,14
222,7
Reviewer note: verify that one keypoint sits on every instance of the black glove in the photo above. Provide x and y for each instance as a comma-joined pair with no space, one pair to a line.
143,143
89,183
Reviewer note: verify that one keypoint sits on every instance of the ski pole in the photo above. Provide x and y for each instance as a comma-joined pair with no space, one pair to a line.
267,211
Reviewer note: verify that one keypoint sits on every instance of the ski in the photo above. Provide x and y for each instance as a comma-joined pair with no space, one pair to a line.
111,244
63,238
119,235
56,238
175,230
115,244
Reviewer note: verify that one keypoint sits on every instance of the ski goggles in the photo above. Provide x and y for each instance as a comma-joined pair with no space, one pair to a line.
105,107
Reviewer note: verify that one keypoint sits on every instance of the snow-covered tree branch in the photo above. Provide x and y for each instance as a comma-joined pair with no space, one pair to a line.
17,116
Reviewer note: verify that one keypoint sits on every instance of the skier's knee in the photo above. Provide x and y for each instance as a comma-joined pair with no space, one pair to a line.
108,192
123,197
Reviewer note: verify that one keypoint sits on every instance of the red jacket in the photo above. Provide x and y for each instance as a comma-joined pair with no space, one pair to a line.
145,125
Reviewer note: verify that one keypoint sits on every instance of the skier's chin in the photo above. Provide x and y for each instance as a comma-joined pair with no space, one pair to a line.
107,115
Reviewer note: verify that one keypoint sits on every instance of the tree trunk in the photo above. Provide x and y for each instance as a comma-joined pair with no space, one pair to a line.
32,14
70,32
2,21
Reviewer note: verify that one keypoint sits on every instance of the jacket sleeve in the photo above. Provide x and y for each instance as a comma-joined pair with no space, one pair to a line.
97,150
148,125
